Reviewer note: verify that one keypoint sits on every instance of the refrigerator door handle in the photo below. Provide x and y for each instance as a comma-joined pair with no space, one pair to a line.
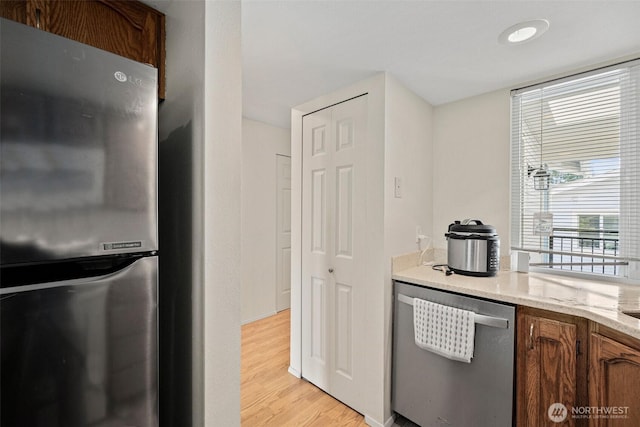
61,283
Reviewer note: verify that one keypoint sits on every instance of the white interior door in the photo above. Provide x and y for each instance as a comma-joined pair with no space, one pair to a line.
283,230
333,230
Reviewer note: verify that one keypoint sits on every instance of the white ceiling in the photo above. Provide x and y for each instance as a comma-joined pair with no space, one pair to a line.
294,51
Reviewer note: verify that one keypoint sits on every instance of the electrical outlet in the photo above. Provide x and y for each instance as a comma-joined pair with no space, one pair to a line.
397,190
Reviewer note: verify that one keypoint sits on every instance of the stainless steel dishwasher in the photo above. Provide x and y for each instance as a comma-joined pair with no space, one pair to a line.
431,390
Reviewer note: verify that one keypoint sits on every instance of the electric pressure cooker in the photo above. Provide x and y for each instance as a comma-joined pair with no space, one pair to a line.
473,248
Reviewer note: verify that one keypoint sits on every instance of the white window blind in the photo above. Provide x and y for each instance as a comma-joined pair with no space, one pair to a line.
575,179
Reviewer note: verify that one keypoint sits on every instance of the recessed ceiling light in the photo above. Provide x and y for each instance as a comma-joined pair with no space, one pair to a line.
524,31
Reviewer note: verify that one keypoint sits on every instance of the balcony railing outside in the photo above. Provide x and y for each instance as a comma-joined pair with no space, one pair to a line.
590,244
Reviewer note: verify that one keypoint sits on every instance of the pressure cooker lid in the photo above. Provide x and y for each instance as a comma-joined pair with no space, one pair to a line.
471,226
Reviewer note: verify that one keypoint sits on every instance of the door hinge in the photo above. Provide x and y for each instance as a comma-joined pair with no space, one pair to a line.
578,349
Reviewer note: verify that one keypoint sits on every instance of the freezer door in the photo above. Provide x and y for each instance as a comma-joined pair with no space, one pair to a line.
78,149
81,353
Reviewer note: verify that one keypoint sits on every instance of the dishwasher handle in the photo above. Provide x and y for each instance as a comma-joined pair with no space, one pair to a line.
480,319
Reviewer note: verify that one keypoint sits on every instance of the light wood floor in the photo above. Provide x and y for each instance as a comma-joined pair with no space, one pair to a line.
270,396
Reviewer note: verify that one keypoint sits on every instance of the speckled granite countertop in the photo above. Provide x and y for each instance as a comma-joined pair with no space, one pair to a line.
600,301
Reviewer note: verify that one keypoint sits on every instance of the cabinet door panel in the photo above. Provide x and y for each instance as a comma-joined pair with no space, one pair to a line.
614,381
123,28
547,373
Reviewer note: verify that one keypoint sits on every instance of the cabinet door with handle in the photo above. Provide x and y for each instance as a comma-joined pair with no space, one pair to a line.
614,382
547,372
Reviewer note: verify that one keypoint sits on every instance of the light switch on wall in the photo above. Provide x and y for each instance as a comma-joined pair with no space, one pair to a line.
397,183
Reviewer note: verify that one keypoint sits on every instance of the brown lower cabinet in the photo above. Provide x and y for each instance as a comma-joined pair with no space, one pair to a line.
550,368
591,370
614,378
125,27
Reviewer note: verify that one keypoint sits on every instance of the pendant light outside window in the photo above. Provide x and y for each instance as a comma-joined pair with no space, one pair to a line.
541,177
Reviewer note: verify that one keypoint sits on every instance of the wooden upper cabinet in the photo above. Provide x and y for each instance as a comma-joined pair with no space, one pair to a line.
614,381
127,28
16,10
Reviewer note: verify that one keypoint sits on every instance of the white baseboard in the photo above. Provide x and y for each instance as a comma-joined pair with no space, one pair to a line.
390,421
262,316
294,372
373,423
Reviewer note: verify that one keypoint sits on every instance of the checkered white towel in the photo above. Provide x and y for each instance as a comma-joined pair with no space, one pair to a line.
444,330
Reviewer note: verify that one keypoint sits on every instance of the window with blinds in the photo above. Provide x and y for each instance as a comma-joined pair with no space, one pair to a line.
575,179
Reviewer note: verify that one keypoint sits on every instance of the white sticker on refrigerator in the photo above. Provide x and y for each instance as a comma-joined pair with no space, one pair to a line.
121,245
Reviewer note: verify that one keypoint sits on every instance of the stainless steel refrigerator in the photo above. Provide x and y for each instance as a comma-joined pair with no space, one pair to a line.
78,234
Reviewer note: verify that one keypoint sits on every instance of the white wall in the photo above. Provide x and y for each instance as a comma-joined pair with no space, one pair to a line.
200,134
260,145
471,167
221,162
409,156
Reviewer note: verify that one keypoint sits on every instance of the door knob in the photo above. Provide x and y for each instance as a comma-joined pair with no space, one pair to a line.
331,270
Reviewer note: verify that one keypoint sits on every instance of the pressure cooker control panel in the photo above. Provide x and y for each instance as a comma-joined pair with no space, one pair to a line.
494,255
